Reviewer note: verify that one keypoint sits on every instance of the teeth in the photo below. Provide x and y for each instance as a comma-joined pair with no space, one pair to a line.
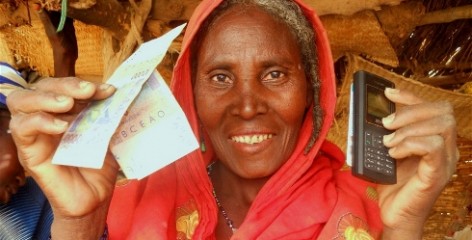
251,139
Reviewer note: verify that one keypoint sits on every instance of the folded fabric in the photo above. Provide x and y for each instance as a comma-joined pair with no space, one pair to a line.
28,215
10,79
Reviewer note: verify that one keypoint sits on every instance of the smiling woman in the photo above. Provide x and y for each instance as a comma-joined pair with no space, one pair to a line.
255,79
244,92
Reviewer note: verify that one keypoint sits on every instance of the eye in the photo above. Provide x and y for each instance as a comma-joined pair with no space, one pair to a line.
274,75
221,78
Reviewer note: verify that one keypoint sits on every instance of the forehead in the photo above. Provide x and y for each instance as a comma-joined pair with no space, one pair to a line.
241,14
248,28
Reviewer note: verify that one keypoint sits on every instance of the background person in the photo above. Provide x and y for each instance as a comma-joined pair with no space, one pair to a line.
25,212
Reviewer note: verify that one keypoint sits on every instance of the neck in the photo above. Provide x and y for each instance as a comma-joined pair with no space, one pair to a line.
234,196
229,185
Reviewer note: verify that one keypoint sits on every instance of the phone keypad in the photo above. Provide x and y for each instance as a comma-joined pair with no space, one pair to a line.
376,154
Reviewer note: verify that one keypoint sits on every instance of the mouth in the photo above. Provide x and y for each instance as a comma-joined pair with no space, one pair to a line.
251,139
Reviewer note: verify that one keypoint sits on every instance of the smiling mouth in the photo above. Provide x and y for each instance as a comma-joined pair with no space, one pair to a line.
251,139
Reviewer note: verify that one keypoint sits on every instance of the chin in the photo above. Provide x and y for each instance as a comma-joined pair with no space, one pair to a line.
259,171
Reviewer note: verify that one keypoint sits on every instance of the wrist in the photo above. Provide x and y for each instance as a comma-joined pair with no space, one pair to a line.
393,234
91,226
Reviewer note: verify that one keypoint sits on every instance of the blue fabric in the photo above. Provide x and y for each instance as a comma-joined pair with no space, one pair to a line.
12,81
8,65
28,215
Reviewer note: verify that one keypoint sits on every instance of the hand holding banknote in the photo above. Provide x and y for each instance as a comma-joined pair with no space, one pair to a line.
63,134
40,116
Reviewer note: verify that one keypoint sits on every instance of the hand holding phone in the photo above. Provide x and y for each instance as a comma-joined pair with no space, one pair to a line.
370,158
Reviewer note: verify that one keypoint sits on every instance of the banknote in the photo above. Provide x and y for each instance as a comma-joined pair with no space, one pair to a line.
86,141
153,132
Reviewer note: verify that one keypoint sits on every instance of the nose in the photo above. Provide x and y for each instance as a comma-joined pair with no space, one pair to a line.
249,100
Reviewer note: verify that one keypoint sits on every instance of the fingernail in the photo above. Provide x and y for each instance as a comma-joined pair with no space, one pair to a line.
104,87
84,84
388,138
60,123
392,90
389,119
61,98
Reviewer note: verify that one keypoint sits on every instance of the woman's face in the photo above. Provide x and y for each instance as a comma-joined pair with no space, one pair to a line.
251,91
11,173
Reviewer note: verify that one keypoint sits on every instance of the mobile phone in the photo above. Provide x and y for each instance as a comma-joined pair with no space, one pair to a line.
370,158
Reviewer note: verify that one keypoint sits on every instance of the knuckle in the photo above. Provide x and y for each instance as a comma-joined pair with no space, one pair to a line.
13,98
437,142
14,123
47,81
450,120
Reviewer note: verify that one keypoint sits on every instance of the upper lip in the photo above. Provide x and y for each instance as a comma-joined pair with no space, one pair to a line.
249,132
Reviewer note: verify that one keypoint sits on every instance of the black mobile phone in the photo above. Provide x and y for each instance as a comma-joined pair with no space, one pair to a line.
370,158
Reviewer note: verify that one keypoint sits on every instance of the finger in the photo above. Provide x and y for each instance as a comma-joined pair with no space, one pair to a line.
56,95
434,163
403,97
27,101
443,125
415,113
75,87
417,146
431,150
434,167
25,127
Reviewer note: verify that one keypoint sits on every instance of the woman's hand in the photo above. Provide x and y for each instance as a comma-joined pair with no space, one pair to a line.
79,196
424,144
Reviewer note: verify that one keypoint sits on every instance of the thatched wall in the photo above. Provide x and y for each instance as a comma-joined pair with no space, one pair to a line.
28,45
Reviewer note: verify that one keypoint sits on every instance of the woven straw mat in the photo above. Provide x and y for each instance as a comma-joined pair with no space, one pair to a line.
462,103
30,44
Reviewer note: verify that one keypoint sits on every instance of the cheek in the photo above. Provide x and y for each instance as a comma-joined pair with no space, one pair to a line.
208,108
294,106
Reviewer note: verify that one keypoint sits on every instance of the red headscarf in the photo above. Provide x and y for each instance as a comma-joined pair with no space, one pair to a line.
309,197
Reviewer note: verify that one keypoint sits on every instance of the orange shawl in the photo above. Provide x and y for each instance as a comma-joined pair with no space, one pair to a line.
308,198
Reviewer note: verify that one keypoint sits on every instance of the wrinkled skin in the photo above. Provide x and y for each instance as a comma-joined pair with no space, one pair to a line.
251,97
80,194
254,87
424,142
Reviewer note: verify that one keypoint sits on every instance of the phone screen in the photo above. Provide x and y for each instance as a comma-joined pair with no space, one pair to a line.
378,105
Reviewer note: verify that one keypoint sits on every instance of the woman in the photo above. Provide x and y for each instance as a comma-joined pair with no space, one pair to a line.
24,210
12,175
258,90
